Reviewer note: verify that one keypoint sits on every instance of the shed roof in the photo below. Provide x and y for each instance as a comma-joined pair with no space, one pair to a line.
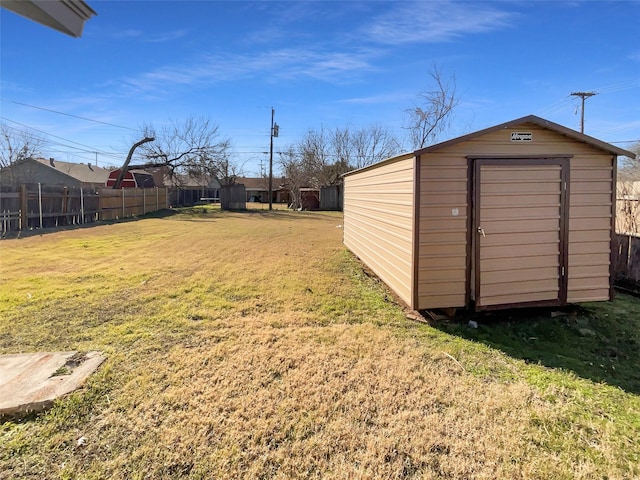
541,122
402,156
532,119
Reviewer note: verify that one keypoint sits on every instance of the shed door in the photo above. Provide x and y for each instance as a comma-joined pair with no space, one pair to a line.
520,232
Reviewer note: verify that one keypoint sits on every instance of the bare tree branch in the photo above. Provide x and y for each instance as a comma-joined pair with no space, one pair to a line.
431,115
16,144
322,156
193,147
372,145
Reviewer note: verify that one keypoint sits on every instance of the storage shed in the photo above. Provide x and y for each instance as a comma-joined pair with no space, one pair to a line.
132,179
519,214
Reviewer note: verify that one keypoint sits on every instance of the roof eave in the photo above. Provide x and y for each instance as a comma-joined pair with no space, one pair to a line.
66,16
581,137
402,156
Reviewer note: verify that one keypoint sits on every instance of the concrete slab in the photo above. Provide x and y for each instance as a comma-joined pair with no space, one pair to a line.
30,382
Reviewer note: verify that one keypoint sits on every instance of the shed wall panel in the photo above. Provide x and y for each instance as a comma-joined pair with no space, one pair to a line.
590,205
378,222
442,253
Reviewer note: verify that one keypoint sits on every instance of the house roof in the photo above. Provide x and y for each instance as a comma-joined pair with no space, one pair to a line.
541,122
260,183
83,172
66,16
185,181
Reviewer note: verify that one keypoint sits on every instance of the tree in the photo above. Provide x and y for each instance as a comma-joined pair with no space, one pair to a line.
314,157
322,156
328,154
193,147
16,144
628,193
629,169
372,145
431,115
295,172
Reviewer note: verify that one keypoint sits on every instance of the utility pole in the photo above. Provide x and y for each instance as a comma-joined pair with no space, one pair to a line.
583,96
274,133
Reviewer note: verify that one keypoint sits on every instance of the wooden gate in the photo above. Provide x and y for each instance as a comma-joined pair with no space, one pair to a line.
520,230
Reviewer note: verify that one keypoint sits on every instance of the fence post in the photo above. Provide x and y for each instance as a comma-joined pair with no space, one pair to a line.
40,202
65,206
123,210
23,207
144,201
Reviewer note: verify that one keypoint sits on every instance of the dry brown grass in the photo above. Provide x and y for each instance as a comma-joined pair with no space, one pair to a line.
251,346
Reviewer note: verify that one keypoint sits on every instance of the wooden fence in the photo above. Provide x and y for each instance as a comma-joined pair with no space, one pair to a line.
233,197
31,206
130,202
626,258
332,197
187,197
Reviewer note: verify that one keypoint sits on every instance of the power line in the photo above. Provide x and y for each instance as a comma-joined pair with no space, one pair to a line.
74,116
90,148
616,87
86,149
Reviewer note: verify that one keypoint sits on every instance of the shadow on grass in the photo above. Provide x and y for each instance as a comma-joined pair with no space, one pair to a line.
597,341
61,228
195,213
213,211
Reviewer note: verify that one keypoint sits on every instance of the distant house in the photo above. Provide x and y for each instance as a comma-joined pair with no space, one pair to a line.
258,189
53,172
186,190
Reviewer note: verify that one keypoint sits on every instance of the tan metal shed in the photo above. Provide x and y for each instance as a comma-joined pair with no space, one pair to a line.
519,214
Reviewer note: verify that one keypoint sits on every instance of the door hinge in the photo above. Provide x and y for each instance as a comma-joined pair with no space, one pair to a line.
562,271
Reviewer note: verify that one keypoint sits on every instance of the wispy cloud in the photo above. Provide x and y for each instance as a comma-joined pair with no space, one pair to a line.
431,22
13,88
142,36
630,128
290,64
126,34
166,36
383,98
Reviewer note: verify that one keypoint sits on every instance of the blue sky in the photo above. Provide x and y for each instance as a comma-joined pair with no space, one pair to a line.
319,64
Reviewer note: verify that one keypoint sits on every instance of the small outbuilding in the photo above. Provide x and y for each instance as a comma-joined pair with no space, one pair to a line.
519,214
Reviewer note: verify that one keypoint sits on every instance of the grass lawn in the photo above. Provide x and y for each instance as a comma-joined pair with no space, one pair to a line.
253,345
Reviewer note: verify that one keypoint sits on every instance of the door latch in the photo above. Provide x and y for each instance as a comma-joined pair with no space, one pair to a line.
481,231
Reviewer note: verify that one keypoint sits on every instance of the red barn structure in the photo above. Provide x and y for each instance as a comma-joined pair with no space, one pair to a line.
132,179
